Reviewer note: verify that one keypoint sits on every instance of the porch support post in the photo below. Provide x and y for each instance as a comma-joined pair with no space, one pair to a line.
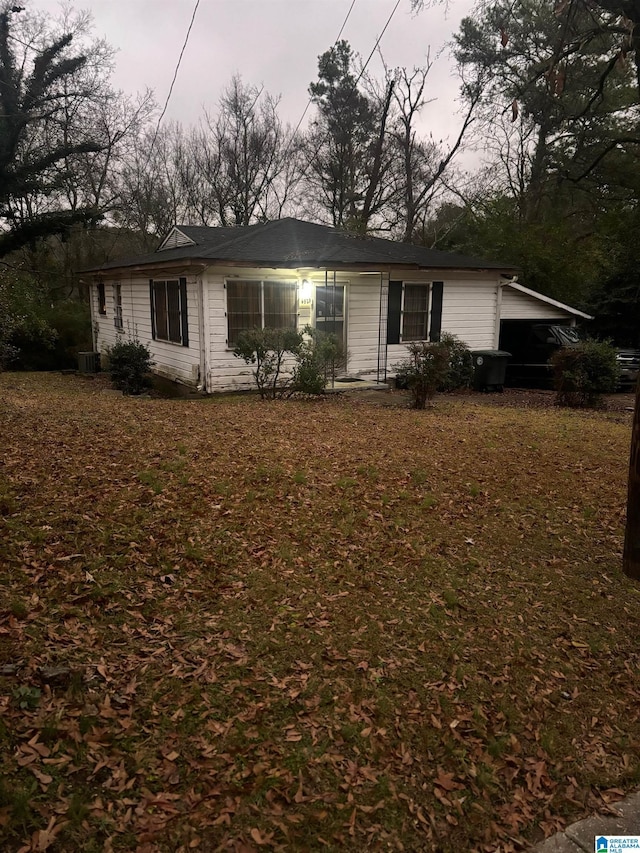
382,327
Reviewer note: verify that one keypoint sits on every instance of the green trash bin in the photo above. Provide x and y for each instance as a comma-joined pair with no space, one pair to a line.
489,369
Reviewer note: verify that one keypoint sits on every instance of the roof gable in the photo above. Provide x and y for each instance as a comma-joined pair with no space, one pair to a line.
542,298
175,238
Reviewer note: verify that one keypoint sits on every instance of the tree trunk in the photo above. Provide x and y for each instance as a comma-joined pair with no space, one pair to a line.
631,558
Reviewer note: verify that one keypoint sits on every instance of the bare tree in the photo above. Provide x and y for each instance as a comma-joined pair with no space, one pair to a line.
152,196
244,155
421,163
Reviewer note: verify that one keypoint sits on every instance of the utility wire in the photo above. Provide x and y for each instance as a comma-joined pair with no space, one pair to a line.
353,88
293,135
175,76
344,23
379,39
164,109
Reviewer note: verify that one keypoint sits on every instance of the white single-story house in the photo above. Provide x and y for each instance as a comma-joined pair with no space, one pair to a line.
191,298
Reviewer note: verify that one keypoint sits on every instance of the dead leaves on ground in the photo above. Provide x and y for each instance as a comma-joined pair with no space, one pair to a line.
235,626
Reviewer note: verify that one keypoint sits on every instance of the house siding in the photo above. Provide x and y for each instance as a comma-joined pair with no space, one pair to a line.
362,294
521,306
363,323
468,311
225,372
173,361
469,306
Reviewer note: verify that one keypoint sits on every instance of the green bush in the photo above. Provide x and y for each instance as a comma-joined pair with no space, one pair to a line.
424,370
460,373
584,372
309,375
268,350
319,356
130,366
22,320
54,337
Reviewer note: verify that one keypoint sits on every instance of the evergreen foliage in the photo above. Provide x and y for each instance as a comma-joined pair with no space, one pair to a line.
424,370
130,366
349,150
616,307
287,361
460,373
582,374
271,351
37,137
320,355
22,318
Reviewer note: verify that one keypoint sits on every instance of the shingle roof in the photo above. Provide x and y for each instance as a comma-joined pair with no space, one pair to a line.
294,243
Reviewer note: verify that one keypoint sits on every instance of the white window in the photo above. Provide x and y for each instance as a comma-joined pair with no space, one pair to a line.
415,312
117,307
260,305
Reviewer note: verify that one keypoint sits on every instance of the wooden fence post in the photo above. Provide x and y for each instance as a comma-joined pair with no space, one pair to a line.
631,557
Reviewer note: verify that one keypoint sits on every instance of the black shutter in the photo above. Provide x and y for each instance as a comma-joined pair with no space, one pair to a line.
153,310
102,298
436,310
393,312
183,312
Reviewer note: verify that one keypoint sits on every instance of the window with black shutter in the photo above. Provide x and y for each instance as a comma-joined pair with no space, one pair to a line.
169,311
394,312
435,329
117,307
408,312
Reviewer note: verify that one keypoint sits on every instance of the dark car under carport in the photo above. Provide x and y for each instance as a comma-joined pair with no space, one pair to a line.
531,345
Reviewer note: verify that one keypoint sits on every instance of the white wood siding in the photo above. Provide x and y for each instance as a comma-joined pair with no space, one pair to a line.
363,323
362,298
521,306
171,360
226,372
469,311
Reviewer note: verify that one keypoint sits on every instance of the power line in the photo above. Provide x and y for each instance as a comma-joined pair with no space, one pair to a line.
166,104
344,24
379,39
353,88
175,76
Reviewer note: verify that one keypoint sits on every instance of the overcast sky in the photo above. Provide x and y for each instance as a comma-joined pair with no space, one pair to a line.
275,43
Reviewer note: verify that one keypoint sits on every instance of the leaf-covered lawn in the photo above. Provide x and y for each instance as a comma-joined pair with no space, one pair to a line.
231,625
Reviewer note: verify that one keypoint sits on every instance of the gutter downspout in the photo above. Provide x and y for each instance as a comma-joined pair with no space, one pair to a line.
203,330
379,330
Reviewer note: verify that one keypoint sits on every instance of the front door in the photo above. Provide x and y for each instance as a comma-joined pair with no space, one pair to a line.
330,310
